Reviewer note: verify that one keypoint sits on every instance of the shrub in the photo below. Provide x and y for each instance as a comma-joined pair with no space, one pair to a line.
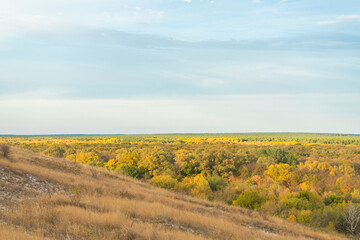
326,217
111,164
249,199
231,192
164,181
303,200
332,199
197,186
5,150
131,171
292,218
217,183
340,224
304,216
55,151
355,196
201,187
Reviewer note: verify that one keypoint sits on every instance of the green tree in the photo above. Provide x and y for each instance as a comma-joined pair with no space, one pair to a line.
280,155
131,171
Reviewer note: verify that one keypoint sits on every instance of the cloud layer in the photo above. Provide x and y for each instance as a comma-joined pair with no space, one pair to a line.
341,19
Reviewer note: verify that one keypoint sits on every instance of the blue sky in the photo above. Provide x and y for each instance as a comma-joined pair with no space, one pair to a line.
116,66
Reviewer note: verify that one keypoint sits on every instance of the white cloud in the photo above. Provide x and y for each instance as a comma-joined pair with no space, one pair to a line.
62,15
188,1
340,19
240,113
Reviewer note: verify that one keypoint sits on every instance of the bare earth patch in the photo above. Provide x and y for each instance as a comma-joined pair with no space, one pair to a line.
17,186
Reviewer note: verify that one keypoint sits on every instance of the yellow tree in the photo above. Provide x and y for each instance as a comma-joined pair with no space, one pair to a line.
280,172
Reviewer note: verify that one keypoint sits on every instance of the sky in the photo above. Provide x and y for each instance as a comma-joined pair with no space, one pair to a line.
179,66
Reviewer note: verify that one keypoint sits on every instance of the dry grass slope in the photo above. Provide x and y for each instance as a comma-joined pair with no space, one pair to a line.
36,203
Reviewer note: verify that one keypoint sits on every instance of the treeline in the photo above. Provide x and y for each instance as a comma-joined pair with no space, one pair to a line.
309,183
311,138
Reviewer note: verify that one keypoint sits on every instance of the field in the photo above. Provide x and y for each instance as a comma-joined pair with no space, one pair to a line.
193,186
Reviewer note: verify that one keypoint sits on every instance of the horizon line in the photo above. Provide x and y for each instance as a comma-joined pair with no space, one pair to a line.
177,133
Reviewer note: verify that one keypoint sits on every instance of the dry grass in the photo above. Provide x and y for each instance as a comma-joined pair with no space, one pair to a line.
103,205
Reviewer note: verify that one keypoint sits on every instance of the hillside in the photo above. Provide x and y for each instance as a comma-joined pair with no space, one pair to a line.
50,198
